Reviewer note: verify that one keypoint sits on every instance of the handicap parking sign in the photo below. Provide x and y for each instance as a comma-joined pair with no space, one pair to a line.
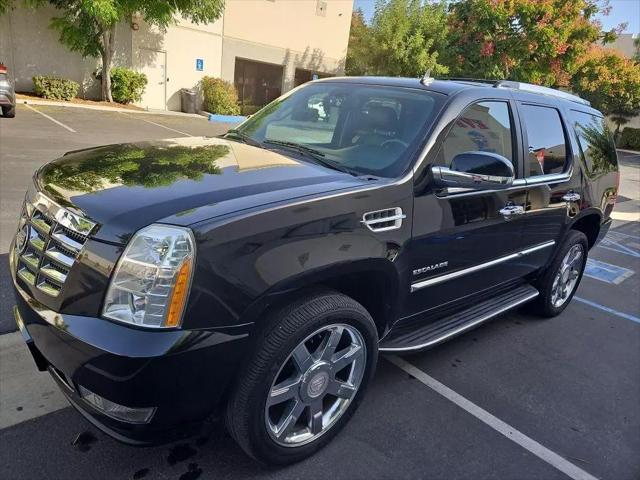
199,64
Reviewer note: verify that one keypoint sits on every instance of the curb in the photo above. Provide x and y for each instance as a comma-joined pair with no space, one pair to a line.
634,152
217,118
51,103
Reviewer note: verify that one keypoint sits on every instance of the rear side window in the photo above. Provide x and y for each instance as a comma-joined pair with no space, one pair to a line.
484,126
596,143
547,143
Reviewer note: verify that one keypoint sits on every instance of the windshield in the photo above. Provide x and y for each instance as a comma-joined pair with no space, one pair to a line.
367,129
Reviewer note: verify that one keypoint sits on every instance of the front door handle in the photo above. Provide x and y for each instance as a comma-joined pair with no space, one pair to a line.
511,209
571,196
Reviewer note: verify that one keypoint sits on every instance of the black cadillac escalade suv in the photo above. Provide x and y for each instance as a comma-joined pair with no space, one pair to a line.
257,275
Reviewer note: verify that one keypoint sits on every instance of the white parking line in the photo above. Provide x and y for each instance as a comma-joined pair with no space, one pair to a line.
51,118
26,393
159,125
505,429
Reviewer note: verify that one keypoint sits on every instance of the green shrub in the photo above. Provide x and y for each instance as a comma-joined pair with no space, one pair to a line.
219,96
55,88
127,85
630,138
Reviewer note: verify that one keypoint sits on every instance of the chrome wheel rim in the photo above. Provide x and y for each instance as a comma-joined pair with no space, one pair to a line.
566,279
315,385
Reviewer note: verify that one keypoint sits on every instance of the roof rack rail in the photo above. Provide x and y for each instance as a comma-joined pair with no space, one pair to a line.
530,87
471,80
525,87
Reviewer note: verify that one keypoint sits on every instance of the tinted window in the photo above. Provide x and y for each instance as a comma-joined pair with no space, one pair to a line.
484,126
596,143
370,129
547,145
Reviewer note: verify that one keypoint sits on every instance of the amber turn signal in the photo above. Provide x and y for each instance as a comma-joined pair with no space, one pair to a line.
179,295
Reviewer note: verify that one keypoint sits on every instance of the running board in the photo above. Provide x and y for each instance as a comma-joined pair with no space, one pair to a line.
401,339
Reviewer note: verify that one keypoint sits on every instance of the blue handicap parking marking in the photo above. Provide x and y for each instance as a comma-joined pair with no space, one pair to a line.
605,272
621,243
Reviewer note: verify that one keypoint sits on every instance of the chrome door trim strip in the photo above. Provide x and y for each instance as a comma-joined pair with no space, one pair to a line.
464,327
459,273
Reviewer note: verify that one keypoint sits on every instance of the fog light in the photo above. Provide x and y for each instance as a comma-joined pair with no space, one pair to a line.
117,411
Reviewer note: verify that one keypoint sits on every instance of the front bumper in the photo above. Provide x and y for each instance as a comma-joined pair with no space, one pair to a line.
7,98
183,374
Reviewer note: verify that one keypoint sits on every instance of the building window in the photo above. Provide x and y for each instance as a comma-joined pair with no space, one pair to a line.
304,76
257,84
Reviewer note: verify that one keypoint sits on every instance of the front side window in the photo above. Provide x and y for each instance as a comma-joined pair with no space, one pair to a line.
484,127
367,129
547,143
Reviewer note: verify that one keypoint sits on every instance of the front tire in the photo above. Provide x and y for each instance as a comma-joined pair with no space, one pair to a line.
560,281
9,112
310,369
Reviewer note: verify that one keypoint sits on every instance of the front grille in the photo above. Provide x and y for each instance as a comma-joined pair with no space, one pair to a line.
48,248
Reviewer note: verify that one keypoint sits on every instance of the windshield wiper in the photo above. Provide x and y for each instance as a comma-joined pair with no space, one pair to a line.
317,155
243,137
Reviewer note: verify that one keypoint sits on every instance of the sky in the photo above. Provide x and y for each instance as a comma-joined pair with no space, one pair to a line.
621,11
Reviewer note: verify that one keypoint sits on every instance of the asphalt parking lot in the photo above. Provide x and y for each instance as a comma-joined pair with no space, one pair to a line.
519,398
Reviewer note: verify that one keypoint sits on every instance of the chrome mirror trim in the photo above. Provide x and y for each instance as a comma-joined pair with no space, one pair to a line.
444,176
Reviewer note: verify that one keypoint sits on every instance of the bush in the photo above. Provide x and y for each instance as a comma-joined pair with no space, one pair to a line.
55,88
630,138
127,85
219,96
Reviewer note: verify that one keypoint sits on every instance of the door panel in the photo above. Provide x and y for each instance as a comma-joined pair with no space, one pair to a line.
464,231
155,68
550,177
461,231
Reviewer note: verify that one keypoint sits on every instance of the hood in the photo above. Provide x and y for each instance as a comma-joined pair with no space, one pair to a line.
128,186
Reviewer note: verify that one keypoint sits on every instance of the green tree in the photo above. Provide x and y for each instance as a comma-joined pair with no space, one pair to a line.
407,37
358,54
536,41
89,26
611,82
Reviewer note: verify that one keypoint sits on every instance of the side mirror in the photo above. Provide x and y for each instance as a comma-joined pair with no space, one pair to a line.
479,170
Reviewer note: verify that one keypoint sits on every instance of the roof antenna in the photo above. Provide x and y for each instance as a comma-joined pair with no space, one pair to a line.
426,78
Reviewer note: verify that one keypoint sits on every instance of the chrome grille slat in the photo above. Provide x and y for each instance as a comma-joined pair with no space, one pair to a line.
67,242
27,275
53,274
54,242
55,254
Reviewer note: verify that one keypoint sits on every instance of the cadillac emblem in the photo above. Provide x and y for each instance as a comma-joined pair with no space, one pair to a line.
22,237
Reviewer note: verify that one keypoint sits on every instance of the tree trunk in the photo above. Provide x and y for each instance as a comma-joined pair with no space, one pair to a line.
108,44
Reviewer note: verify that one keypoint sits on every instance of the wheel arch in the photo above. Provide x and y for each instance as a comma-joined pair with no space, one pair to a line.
589,223
373,283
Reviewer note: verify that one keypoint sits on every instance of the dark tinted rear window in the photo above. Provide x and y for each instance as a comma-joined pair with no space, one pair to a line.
547,143
596,143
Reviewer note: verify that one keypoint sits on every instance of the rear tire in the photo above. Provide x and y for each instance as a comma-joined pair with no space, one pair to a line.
560,281
9,112
326,324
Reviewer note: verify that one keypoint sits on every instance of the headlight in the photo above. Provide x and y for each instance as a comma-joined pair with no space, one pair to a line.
151,282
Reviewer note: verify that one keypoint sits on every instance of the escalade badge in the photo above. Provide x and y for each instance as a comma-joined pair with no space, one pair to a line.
21,238
429,268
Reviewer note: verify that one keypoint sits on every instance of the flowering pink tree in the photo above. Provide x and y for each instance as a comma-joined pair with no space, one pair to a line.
537,41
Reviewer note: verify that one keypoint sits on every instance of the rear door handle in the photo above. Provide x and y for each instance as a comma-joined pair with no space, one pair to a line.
511,209
571,196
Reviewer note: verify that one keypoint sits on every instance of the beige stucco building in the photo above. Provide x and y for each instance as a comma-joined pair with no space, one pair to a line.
265,47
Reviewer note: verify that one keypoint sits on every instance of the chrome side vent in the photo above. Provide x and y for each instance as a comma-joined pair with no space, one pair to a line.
384,220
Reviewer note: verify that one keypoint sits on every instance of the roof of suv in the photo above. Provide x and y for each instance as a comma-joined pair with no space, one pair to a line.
454,85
